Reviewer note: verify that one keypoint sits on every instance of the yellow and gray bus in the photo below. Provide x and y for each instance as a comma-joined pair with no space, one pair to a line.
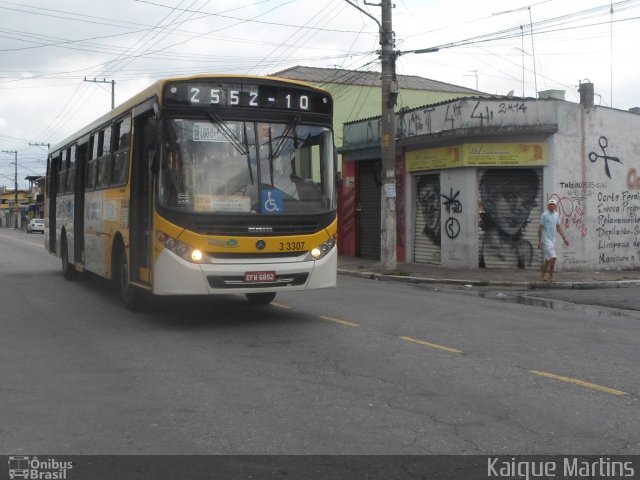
200,185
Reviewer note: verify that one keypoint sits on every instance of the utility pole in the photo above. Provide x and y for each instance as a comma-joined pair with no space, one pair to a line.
48,145
388,141
16,207
113,88
389,85
475,74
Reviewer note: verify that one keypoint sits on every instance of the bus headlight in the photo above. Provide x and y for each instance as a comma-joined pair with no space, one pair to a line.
321,250
181,249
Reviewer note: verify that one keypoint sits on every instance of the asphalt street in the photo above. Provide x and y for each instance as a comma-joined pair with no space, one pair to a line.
371,367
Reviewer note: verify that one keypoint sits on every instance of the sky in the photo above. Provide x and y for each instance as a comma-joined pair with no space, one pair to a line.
51,51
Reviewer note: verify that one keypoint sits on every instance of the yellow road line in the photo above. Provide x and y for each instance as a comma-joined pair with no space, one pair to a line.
575,381
280,305
432,345
341,322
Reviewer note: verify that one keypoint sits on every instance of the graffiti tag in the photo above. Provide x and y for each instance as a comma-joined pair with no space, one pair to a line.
593,156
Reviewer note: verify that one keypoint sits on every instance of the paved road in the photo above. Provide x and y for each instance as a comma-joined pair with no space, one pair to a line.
368,368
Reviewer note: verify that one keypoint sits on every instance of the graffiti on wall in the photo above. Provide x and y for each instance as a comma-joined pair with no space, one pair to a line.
572,213
452,206
618,220
594,157
507,198
633,179
614,213
460,114
429,206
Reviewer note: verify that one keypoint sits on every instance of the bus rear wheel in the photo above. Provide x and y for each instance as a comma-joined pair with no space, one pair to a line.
68,270
131,296
262,298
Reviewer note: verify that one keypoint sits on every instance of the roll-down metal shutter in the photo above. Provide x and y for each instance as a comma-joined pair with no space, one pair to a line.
510,205
427,220
369,209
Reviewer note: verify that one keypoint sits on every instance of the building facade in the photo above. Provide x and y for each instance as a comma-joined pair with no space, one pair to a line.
30,204
474,175
12,214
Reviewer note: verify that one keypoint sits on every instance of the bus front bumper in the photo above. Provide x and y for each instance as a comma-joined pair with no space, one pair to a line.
175,276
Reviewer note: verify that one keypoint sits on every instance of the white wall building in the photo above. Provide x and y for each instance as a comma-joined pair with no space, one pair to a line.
476,173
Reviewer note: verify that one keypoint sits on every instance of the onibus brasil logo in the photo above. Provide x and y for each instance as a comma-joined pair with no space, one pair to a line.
35,469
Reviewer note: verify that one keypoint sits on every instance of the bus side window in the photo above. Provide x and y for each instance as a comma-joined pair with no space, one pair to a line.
104,160
62,172
122,135
93,162
71,171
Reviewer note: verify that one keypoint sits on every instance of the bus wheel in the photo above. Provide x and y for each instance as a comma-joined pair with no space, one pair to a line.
130,295
263,298
68,270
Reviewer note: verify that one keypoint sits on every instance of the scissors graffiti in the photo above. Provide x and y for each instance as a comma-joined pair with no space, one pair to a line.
593,156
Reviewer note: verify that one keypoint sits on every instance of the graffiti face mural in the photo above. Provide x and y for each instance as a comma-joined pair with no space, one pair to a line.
507,199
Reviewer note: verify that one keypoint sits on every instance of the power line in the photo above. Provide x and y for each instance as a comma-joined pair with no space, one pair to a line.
277,24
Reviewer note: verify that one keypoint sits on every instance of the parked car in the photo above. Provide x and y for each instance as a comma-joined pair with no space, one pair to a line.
35,225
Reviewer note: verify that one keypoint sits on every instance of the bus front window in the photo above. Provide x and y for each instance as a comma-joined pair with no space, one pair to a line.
211,166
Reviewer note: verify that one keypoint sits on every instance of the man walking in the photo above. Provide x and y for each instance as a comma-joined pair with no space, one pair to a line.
549,225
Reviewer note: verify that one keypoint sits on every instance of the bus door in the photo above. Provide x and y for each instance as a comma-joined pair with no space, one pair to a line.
78,212
54,167
141,197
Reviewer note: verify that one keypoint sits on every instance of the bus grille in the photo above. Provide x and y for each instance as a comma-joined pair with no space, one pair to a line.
255,230
253,256
231,282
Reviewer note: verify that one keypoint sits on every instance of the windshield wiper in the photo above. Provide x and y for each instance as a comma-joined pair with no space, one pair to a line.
280,144
240,146
282,139
271,156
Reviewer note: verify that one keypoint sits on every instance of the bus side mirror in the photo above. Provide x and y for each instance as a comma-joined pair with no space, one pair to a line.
153,161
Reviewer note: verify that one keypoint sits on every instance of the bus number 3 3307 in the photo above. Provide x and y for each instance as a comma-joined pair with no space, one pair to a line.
291,246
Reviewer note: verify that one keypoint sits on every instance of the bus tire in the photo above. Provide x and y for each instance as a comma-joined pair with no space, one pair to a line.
68,270
262,298
130,295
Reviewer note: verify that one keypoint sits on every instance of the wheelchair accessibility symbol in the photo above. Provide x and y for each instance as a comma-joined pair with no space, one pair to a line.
271,201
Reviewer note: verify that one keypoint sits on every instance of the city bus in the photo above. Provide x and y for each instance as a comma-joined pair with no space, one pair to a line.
200,185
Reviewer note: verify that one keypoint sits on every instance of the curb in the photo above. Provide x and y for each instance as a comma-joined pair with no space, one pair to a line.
535,285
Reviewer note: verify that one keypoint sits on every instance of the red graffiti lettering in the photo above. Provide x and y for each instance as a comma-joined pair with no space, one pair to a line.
633,180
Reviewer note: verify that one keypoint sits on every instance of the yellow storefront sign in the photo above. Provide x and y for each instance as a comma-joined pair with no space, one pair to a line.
504,154
433,159
478,155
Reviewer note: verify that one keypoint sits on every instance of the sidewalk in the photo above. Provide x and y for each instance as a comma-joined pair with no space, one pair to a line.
484,277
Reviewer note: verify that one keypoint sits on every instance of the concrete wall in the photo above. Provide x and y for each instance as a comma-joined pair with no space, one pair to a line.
593,174
475,113
459,217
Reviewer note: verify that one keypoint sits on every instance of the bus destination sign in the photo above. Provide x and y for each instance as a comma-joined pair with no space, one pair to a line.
241,95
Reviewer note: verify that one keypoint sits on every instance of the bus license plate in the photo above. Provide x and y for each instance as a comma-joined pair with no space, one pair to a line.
253,277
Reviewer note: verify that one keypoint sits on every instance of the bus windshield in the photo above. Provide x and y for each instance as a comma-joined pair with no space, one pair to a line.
215,166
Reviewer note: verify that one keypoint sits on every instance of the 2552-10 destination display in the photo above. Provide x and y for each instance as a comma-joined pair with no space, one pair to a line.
220,94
